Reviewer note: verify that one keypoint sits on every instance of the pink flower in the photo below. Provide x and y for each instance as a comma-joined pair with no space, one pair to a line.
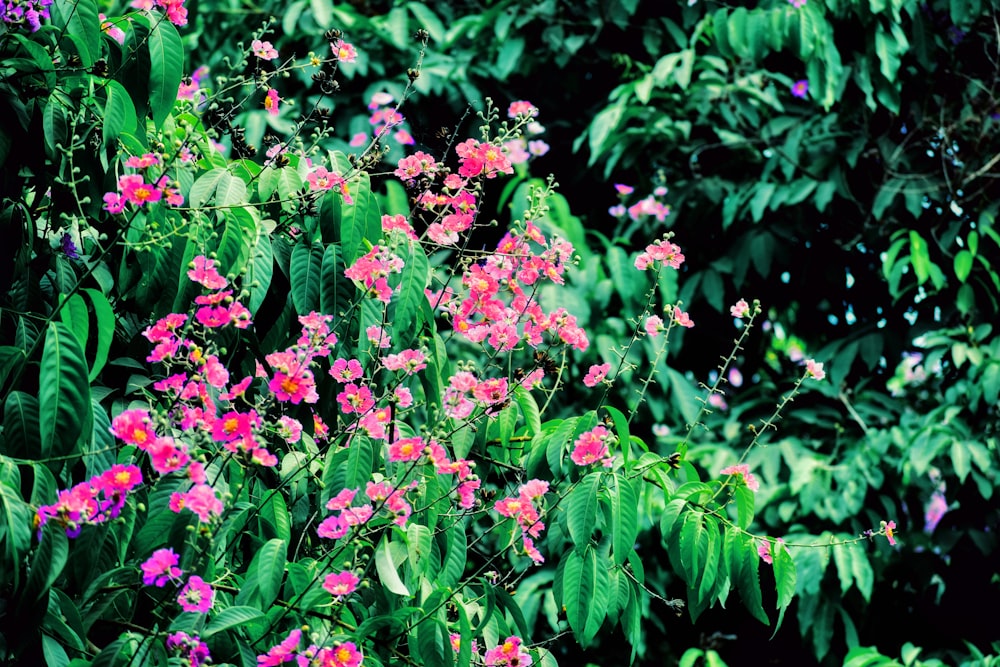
888,527
160,568
200,499
743,471
283,652
204,273
681,318
407,449
521,108
765,549
271,101
263,50
814,369
624,189
341,655
592,447
508,654
653,326
339,585
196,596
596,375
344,370
935,511
343,51
800,88
191,650
740,309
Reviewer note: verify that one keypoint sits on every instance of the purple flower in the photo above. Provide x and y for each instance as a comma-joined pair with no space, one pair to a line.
800,89
69,248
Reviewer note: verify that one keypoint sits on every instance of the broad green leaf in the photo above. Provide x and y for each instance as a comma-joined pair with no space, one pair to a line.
335,291
105,317
410,295
385,565
55,126
744,506
275,513
581,509
269,569
693,545
744,569
529,410
360,459
205,186
64,392
453,567
48,562
432,643
360,221
624,519
307,263
260,270
963,265
418,545
784,578
78,19
166,63
119,113
585,593
16,518
231,618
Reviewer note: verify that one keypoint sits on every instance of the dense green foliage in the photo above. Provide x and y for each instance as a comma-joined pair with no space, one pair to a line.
833,160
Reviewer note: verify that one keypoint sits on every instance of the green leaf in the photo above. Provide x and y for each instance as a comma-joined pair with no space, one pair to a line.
65,412
21,425
260,270
360,459
166,60
410,296
453,567
16,518
509,56
529,410
585,591
693,545
963,265
744,506
335,290
275,513
306,266
74,315
581,509
784,579
385,565
361,221
624,519
119,113
106,320
232,617
55,126
269,569
744,569
48,562
78,19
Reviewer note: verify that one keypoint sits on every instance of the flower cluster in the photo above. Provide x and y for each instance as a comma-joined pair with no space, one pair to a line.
344,654
661,250
190,649
742,471
592,447
649,205
524,510
29,12
174,9
496,307
95,501
510,653
384,117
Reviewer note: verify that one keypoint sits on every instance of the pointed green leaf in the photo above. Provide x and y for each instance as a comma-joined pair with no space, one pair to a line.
106,320
744,506
581,509
360,221
624,519
269,568
307,263
693,546
410,294
784,577
232,617
64,393
385,565
166,60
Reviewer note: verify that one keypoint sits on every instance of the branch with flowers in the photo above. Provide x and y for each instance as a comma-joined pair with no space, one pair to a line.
268,416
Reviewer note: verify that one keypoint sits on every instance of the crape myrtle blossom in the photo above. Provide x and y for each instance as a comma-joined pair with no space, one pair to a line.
524,510
766,549
596,374
263,50
660,251
510,653
742,471
592,447
174,9
190,649
94,501
341,584
283,652
814,369
196,596
740,310
160,568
